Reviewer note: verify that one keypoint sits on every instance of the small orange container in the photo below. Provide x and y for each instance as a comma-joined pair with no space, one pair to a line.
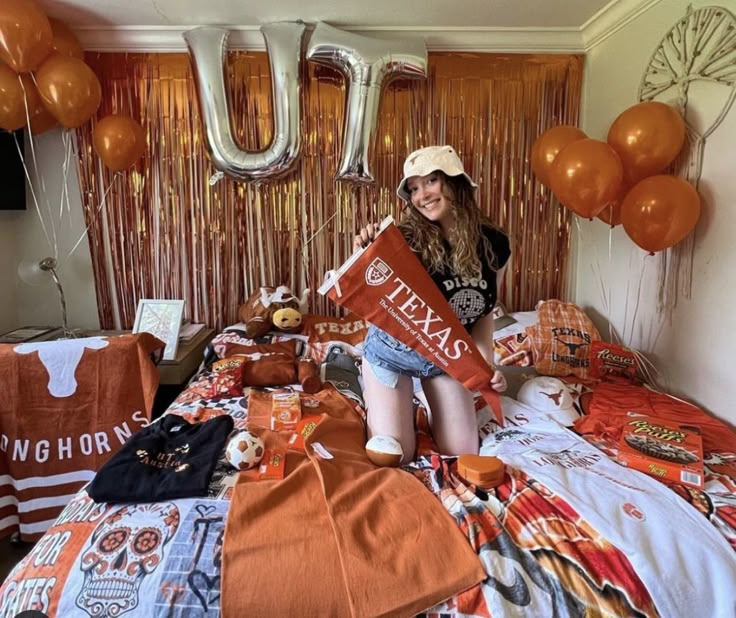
481,470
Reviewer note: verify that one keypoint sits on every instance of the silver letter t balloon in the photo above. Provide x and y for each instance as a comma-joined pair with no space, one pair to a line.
367,64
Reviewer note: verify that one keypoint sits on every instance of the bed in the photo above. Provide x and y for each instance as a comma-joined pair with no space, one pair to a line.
568,533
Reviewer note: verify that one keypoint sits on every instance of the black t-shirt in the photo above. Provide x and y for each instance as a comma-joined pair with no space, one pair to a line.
472,299
168,459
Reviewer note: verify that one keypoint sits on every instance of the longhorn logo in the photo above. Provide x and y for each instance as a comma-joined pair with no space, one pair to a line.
554,397
61,359
572,347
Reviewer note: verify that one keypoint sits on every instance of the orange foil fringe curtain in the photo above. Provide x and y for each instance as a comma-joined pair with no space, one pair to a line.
160,230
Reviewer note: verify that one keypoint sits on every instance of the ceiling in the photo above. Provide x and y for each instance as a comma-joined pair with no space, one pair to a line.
339,13
482,25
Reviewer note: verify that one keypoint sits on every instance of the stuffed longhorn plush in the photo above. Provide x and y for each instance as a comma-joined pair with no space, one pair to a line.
273,308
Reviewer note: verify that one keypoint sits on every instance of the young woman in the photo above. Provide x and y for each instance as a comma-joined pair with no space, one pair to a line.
465,256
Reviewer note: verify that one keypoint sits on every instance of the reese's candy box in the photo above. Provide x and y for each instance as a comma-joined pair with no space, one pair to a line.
273,464
612,362
663,449
303,430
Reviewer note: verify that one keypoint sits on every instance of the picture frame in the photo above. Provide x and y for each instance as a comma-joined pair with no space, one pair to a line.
161,318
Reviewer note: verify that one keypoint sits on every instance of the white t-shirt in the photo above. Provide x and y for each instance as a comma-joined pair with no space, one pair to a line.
686,565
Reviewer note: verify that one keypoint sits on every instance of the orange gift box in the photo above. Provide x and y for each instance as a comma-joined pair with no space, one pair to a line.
663,449
386,285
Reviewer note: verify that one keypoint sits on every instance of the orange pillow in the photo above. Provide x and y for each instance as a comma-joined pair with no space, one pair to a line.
561,340
267,364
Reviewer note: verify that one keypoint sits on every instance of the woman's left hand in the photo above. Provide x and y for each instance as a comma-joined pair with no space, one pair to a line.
498,382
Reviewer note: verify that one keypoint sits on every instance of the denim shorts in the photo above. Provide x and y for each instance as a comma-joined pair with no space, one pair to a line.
389,358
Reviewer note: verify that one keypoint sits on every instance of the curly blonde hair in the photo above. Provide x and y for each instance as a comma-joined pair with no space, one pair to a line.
425,237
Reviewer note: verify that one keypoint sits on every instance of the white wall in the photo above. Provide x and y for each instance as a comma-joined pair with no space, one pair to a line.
694,353
8,295
39,305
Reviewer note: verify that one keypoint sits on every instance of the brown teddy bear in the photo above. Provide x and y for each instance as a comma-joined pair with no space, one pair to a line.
272,308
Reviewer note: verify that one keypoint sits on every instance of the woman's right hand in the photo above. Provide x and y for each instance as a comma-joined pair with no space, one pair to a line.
365,236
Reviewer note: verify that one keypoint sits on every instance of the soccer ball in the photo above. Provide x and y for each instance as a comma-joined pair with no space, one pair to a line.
244,451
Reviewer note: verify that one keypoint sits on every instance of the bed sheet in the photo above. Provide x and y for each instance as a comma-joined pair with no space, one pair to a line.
544,550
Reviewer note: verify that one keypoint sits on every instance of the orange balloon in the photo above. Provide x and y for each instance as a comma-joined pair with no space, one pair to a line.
69,89
40,118
25,35
64,41
119,141
611,213
546,147
12,100
660,211
586,175
42,122
19,99
647,137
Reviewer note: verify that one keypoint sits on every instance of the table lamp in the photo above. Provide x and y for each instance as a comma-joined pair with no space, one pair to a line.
36,273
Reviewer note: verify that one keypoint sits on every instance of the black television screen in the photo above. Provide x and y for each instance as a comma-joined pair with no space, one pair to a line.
12,176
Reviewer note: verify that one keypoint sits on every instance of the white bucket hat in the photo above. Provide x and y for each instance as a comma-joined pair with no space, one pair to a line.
550,396
427,160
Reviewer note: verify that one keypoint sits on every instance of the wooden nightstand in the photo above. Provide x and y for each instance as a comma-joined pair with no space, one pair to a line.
175,373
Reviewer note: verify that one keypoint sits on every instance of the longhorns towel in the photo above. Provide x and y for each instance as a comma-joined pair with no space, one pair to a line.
338,536
387,285
67,406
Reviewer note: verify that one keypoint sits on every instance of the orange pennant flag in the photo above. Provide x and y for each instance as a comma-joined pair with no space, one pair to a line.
386,284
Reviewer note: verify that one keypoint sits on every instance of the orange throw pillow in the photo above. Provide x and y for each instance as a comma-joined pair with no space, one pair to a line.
562,339
267,364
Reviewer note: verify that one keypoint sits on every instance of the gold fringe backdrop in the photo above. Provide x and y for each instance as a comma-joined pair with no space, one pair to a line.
160,230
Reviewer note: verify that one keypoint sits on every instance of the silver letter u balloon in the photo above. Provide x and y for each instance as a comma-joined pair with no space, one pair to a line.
368,64
207,47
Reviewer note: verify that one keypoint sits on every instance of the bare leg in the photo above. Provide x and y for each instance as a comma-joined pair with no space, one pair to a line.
454,424
390,410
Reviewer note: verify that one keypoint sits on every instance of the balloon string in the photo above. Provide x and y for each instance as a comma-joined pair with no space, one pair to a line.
39,175
65,175
626,299
648,370
638,299
598,276
304,279
321,227
662,324
93,217
33,193
610,270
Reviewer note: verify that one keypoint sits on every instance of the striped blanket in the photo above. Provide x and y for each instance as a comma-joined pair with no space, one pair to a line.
67,407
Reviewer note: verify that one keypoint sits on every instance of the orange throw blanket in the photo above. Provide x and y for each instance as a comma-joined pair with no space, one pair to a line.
338,537
66,407
612,403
